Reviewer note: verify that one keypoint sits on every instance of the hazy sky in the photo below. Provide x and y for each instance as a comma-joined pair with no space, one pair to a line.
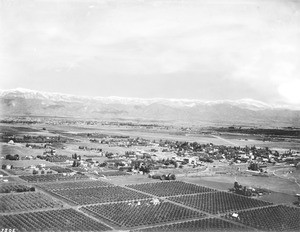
214,49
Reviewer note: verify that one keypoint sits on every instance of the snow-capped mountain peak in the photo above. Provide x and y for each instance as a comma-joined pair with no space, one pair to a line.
33,94
29,102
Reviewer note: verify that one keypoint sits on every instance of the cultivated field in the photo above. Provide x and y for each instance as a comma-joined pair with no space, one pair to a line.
53,177
8,188
52,220
96,195
26,201
206,224
274,218
170,188
141,213
74,185
219,202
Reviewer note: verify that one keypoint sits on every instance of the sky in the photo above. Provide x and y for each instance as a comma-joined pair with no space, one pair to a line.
190,49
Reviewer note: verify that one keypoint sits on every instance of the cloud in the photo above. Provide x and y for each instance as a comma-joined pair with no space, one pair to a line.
290,91
249,47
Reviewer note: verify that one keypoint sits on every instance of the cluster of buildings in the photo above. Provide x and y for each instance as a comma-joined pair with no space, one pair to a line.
210,152
155,154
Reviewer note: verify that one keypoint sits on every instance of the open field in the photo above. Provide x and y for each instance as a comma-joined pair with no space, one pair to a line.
257,140
279,198
289,173
272,183
239,140
273,197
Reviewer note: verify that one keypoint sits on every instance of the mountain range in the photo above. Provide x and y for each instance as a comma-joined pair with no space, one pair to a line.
24,102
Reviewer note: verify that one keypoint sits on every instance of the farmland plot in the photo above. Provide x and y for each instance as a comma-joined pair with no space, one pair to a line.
273,218
170,188
53,177
218,202
26,201
141,213
99,195
113,173
206,224
8,188
74,185
52,220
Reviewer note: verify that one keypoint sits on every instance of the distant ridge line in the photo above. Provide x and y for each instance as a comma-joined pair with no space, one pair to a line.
31,94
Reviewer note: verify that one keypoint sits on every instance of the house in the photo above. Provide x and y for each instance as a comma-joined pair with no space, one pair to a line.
155,201
6,166
235,215
191,160
89,160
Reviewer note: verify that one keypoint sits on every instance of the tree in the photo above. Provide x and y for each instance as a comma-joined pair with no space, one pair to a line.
172,177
